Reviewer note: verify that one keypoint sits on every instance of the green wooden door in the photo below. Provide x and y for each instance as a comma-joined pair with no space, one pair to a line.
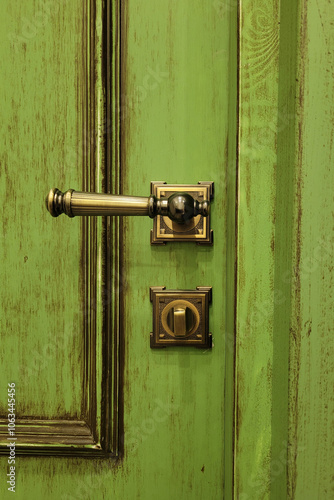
108,97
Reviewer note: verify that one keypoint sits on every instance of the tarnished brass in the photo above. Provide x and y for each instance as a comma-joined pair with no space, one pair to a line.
196,229
179,321
181,317
179,207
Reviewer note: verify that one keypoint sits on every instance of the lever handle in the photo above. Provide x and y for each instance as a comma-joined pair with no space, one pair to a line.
179,207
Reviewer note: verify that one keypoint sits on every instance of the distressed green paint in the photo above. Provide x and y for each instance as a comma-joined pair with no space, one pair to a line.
176,130
284,229
41,304
178,402
311,342
179,126
258,100
284,353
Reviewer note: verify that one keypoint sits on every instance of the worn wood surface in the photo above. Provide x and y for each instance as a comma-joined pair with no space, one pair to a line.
177,117
41,284
258,101
174,60
175,129
284,411
311,375
62,343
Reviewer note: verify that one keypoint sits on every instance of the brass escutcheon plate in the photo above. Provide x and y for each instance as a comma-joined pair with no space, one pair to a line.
197,230
181,317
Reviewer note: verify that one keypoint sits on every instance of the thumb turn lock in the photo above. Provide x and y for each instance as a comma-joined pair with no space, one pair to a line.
181,317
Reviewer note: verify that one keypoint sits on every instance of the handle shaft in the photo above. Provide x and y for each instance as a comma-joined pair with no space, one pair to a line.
108,204
179,207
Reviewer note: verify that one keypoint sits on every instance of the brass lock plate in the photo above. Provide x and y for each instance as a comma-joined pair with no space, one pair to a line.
197,230
181,317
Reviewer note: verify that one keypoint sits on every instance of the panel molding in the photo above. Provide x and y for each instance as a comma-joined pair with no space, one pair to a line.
97,434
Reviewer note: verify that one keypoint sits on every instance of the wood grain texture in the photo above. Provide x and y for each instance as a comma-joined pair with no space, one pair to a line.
284,438
258,101
174,114
176,86
311,381
41,297
76,362
176,120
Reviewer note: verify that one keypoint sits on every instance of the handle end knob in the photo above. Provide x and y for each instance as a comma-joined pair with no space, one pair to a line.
58,203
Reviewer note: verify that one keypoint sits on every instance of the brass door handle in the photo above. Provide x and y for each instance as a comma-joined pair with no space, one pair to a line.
179,207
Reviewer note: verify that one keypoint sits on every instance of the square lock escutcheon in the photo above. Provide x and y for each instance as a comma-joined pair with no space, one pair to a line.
181,317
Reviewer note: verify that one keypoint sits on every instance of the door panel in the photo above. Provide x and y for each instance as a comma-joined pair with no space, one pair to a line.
150,99
52,297
40,126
